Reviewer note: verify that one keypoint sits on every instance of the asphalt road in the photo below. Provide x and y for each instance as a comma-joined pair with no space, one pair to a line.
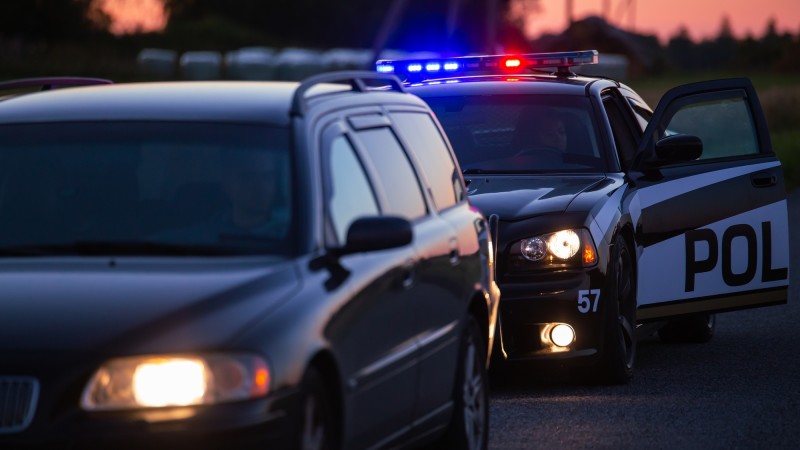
740,390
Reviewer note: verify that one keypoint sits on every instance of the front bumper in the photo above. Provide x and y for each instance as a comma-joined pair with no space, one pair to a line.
530,303
262,423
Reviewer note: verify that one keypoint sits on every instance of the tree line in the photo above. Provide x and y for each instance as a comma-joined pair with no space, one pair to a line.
771,51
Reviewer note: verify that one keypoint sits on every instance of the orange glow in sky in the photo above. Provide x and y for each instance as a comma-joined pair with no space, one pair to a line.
664,17
660,17
129,16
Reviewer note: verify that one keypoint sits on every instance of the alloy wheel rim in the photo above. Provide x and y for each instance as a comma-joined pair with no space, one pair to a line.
313,428
624,291
474,401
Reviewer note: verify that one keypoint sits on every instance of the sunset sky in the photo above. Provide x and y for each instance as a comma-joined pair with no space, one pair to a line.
660,17
663,17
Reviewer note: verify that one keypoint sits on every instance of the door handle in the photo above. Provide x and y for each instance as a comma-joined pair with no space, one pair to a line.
765,180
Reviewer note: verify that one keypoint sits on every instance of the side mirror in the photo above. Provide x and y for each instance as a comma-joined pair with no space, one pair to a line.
679,148
377,233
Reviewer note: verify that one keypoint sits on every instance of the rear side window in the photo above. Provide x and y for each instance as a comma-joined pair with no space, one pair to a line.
351,195
427,144
395,173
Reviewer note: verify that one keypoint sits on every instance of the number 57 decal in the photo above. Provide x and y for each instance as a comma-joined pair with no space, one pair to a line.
588,300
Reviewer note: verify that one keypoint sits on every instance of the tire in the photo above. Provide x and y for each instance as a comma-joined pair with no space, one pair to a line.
317,430
694,329
619,343
469,426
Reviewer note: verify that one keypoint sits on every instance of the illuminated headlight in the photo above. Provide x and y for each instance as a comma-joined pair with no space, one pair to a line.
561,246
175,380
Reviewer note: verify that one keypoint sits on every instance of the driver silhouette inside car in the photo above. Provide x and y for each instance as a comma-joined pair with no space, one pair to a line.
539,133
249,180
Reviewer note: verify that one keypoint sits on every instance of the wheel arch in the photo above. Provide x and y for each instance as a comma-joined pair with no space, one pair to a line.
627,233
325,363
480,311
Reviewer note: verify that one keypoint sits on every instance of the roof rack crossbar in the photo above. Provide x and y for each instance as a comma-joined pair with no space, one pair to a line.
48,83
357,79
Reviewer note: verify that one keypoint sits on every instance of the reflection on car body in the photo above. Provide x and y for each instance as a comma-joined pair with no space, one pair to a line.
635,221
231,264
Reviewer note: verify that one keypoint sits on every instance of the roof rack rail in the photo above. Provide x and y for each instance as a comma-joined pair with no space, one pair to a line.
48,83
357,79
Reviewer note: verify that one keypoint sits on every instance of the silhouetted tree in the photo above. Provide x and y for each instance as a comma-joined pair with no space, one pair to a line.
49,20
355,23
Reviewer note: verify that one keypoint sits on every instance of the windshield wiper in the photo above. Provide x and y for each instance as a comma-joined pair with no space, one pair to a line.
114,248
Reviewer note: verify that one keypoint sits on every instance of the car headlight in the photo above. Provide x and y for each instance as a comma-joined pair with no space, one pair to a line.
565,247
175,380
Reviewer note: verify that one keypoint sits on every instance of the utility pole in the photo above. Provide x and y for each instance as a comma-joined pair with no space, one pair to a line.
491,27
570,17
390,22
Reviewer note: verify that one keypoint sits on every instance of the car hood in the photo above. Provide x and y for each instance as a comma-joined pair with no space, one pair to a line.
521,197
134,306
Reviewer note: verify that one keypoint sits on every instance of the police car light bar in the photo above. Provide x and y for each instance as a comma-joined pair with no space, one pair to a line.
486,64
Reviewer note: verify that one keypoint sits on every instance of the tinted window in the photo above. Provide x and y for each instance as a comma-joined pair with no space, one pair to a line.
351,195
395,173
521,133
427,144
642,115
723,123
623,134
113,187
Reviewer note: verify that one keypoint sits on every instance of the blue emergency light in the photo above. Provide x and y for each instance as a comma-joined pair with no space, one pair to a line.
418,69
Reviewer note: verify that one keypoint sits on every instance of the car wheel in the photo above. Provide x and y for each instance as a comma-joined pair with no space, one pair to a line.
619,347
697,328
469,426
317,430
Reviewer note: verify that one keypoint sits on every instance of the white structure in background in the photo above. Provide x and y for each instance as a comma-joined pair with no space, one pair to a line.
157,62
608,65
294,63
347,59
201,65
262,63
250,63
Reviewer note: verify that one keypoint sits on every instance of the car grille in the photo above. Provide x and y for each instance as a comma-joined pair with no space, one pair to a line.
18,396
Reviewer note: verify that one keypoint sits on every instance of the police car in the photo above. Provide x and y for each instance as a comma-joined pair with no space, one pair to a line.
612,220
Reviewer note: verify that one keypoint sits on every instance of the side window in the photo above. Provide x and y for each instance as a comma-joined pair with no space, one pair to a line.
623,135
395,173
723,122
350,195
642,115
426,143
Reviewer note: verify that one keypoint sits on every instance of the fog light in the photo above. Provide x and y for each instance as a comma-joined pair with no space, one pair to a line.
562,335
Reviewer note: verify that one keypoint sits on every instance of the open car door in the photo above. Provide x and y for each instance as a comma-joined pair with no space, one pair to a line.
709,204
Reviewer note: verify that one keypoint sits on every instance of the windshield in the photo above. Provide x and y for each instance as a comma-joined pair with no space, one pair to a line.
144,188
521,133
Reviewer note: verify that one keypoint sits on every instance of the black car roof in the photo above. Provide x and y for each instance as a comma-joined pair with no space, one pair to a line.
217,101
